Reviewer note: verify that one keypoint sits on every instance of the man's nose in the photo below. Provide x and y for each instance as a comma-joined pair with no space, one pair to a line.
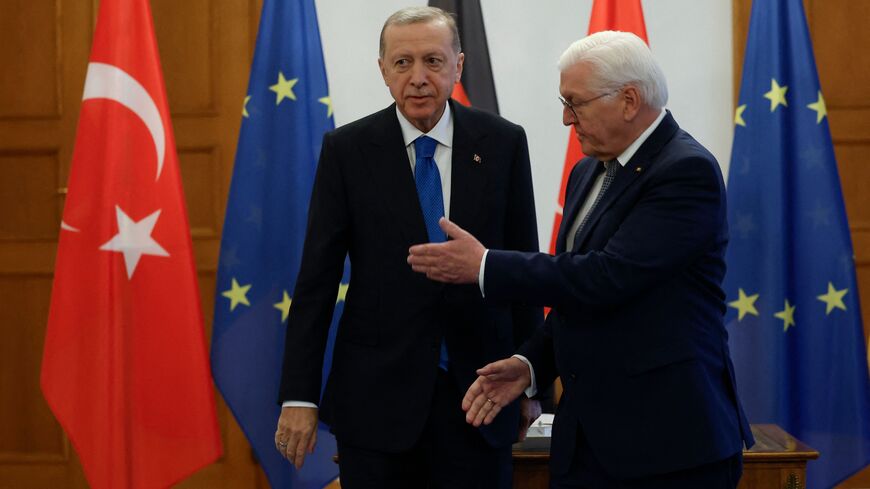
418,75
568,117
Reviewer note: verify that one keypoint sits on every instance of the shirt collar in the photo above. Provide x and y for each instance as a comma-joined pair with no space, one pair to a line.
633,147
442,132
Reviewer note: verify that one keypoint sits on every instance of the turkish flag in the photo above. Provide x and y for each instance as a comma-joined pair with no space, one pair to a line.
125,369
607,15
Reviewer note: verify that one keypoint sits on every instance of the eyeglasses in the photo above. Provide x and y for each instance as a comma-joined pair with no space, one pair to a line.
583,103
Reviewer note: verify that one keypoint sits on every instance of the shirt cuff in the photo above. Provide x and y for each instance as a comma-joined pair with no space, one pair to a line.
299,404
480,273
533,387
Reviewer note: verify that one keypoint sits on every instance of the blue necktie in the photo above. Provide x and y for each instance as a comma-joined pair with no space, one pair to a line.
428,181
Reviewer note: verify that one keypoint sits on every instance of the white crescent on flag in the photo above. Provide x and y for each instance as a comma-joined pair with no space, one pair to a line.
110,82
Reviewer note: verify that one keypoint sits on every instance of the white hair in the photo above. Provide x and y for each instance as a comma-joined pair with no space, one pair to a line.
619,59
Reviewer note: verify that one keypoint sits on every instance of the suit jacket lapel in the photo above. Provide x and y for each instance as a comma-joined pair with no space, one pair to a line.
387,156
633,171
468,175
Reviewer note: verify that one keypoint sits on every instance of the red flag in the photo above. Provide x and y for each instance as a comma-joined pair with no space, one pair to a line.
607,15
125,369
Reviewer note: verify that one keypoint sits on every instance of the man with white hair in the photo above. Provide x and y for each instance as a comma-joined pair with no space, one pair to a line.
636,329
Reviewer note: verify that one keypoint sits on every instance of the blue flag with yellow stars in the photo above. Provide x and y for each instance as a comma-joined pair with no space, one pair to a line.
286,111
794,314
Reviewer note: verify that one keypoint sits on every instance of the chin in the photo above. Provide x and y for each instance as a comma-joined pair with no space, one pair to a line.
421,116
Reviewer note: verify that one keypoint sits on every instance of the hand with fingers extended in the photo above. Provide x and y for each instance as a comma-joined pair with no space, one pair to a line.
498,384
296,434
456,261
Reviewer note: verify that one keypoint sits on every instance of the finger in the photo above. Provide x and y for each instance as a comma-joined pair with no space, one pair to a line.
281,437
490,369
484,411
490,416
451,229
474,412
422,260
292,441
299,452
280,444
313,442
426,251
475,390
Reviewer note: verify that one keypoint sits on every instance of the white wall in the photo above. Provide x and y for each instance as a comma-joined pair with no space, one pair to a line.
690,38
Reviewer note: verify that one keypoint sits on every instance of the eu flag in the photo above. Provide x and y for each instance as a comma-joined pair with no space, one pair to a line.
286,111
794,314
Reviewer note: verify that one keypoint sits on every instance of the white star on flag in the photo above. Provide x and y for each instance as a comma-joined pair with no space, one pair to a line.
134,239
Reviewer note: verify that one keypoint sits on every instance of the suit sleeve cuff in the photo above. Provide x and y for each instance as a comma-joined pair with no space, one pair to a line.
480,273
533,387
299,404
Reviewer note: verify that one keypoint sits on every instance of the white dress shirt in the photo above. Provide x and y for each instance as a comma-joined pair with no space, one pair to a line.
443,133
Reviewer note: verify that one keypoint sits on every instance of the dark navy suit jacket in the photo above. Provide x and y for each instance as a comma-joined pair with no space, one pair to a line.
636,330
364,204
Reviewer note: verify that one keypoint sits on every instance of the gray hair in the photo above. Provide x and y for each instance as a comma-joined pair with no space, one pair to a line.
619,59
419,15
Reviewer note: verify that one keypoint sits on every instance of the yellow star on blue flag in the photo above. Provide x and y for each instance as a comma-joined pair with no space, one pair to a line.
745,304
237,294
776,95
833,299
284,88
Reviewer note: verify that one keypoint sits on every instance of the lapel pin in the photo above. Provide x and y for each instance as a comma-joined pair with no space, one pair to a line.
638,170
476,158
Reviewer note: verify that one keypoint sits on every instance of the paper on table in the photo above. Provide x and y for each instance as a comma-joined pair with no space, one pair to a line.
541,427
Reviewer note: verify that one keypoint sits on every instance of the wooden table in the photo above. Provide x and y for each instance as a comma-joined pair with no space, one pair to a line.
776,461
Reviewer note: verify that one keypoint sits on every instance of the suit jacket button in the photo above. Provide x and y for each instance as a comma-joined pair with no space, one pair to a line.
573,377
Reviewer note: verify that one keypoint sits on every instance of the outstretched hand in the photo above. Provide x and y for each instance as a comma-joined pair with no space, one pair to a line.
456,261
498,384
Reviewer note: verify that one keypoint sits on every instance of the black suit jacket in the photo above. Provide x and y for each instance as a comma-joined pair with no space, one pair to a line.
636,331
364,203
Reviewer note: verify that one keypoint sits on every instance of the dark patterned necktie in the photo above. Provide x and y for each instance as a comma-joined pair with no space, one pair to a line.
611,167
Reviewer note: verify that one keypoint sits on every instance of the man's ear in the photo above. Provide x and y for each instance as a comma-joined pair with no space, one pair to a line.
383,69
460,59
631,102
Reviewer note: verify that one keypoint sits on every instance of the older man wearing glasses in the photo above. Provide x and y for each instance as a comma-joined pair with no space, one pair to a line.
636,331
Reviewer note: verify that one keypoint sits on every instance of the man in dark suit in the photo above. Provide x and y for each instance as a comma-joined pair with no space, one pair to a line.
636,331
407,347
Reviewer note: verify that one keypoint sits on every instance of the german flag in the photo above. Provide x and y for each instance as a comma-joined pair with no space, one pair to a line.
476,86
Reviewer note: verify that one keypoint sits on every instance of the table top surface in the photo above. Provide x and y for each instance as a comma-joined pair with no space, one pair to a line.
771,442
